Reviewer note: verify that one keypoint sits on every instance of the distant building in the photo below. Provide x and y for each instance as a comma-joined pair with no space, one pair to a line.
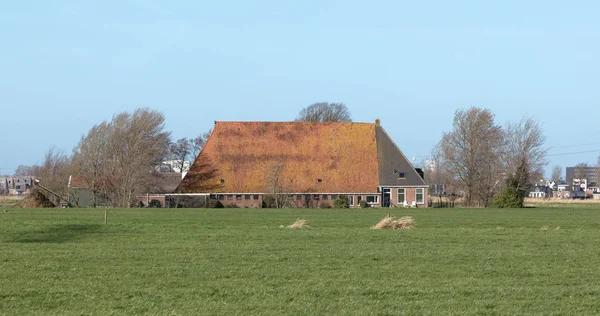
541,192
581,176
174,166
17,185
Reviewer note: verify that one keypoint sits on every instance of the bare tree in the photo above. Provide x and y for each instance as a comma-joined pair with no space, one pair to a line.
24,170
471,154
198,143
136,145
556,176
325,112
276,185
441,180
89,158
525,149
54,173
581,173
179,153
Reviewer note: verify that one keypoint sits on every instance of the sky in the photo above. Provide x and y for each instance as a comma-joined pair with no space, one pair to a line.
67,65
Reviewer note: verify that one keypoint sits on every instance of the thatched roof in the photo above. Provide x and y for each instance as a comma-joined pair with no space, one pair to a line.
313,157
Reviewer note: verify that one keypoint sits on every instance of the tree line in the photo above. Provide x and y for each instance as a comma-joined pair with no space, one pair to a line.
487,164
118,159
479,160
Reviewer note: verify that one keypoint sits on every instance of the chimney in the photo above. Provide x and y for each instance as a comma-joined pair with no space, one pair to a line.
377,122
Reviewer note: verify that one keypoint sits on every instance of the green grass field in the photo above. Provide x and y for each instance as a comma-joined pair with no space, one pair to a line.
241,262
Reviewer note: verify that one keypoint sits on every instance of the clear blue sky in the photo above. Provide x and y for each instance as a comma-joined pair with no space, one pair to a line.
67,65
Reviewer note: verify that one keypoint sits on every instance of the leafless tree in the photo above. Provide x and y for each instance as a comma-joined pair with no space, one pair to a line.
441,180
89,158
53,173
179,153
135,144
557,172
198,143
471,154
276,184
525,148
24,170
325,112
581,173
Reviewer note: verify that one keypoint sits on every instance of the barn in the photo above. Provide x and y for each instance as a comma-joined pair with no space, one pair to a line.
304,164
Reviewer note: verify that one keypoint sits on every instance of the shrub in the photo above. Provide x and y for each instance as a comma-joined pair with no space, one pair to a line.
232,205
510,198
363,204
212,203
269,201
341,202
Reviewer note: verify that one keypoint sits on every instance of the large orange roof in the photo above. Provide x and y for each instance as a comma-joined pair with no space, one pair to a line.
240,157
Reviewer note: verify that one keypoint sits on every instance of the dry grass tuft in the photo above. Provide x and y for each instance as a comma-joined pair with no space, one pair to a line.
299,223
544,228
405,222
499,227
557,228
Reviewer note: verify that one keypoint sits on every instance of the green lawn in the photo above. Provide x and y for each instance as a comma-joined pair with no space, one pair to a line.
241,262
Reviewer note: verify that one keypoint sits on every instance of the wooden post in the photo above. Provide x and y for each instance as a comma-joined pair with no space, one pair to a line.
105,216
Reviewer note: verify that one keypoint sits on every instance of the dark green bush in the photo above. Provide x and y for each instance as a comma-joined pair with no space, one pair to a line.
510,198
341,202
363,204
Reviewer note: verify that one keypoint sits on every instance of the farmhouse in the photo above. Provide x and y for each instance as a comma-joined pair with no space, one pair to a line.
307,163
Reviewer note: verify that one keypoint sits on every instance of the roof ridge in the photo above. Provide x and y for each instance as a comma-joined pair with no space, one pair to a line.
297,122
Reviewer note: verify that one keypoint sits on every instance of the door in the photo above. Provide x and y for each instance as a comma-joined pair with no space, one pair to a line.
387,197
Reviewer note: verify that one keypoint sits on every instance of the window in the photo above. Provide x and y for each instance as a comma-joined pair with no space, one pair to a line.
247,197
401,175
401,196
319,180
316,197
256,196
372,199
334,197
299,197
351,200
420,196
230,196
220,197
358,200
222,181
238,197
18,180
325,197
18,187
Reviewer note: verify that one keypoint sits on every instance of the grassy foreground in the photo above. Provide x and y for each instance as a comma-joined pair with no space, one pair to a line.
241,262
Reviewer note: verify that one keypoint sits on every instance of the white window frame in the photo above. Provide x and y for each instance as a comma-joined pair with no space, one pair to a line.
398,196
422,195
372,203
